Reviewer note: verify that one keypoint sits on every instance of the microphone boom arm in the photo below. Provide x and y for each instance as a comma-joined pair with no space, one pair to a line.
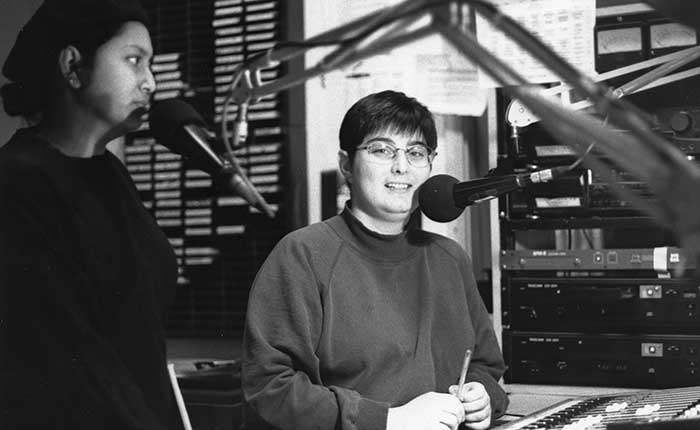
247,91
638,151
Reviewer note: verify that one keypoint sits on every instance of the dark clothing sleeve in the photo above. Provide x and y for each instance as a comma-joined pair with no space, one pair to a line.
487,365
282,374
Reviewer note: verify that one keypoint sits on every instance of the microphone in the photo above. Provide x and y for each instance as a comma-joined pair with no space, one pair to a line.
178,127
442,198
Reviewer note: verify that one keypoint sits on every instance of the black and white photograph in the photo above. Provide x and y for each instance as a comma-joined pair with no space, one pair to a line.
349,215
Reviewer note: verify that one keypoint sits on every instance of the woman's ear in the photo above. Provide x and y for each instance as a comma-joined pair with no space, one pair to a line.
345,165
69,64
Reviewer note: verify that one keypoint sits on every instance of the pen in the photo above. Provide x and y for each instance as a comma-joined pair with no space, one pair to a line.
463,375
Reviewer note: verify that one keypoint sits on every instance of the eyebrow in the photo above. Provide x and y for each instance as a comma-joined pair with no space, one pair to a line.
387,140
141,49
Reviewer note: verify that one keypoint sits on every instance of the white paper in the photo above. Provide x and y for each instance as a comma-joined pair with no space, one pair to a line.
567,26
431,70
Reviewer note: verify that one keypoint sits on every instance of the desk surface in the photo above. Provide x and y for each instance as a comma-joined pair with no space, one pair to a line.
527,399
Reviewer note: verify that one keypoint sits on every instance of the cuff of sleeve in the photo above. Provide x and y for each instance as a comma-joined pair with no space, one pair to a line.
371,415
499,398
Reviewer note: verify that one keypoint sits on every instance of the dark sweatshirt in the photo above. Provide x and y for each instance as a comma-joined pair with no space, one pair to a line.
344,323
85,277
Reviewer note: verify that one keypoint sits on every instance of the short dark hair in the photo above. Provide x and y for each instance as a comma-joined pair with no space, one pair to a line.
31,64
386,110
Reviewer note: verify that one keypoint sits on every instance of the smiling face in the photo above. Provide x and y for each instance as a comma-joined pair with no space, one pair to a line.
384,192
120,82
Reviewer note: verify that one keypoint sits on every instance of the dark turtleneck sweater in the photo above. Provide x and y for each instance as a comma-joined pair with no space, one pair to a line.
344,323
85,278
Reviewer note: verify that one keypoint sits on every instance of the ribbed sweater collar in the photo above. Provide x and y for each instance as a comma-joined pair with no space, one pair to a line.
378,246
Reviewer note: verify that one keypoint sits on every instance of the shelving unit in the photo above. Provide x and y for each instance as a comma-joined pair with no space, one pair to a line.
608,320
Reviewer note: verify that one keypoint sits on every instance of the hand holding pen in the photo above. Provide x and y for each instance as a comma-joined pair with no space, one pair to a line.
465,369
474,398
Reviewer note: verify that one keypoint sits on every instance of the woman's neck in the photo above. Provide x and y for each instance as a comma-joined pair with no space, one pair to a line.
380,225
72,135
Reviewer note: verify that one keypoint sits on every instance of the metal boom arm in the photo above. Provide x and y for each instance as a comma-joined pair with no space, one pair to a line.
640,151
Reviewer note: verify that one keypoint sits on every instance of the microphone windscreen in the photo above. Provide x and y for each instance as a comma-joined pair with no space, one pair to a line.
436,198
168,117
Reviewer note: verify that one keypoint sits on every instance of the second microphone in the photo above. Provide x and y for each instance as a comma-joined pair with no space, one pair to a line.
177,126
442,198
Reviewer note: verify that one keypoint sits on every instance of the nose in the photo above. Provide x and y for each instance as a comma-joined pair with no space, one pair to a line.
149,83
400,162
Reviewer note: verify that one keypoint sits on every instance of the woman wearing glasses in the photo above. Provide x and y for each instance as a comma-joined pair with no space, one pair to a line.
362,321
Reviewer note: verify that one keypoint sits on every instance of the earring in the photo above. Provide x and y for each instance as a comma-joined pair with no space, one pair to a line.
74,82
